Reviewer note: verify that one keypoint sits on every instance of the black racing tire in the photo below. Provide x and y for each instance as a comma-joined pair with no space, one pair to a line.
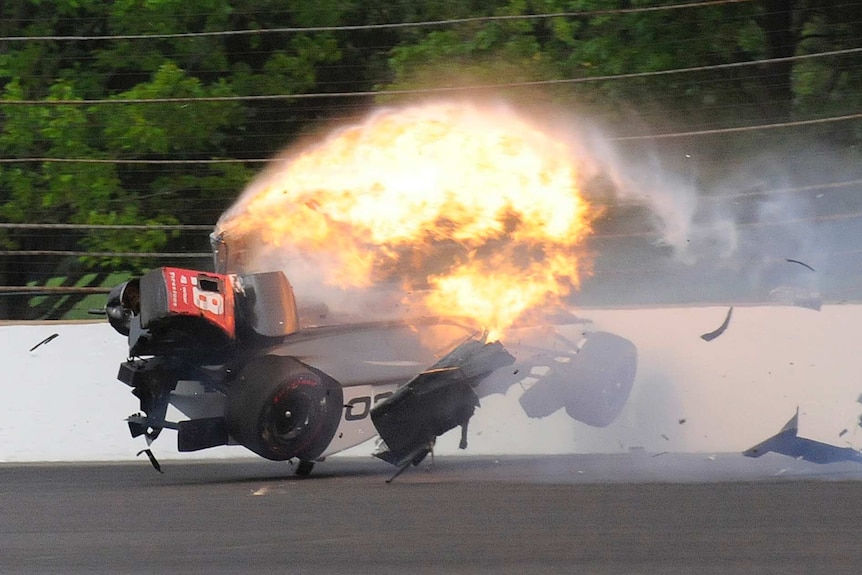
606,366
593,387
281,409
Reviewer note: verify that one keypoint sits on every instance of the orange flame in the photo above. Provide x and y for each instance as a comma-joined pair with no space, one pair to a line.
473,202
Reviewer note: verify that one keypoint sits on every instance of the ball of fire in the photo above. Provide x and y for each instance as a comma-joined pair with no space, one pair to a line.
476,207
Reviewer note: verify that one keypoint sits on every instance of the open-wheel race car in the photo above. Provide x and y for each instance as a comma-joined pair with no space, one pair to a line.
227,350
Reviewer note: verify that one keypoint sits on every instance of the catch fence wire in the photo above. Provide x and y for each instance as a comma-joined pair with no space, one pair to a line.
386,26
442,23
293,97
436,90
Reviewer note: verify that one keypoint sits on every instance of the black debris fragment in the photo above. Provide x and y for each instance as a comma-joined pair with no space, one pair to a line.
843,432
720,330
46,340
803,264
438,399
681,421
152,458
666,438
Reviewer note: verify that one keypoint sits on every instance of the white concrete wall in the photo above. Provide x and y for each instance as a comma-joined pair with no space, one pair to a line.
62,402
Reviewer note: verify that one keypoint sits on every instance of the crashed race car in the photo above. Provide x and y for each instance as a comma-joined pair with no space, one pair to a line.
228,351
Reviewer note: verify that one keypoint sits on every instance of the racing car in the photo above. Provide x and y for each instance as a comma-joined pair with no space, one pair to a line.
229,352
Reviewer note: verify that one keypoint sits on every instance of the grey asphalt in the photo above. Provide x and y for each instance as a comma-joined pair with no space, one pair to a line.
627,513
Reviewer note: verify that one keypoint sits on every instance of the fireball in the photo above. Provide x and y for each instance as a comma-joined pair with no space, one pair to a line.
474,210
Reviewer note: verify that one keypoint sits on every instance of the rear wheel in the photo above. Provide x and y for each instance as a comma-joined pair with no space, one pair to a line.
281,408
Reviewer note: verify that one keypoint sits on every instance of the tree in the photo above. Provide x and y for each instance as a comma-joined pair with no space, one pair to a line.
111,185
607,39
98,191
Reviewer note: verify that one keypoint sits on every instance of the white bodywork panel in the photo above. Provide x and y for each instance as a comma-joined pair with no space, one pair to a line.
195,402
356,426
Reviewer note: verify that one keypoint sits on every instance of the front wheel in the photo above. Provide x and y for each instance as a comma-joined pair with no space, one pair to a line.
593,384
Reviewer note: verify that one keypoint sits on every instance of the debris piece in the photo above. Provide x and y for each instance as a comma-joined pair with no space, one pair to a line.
792,261
681,421
797,296
153,460
787,442
666,438
660,453
46,340
438,399
843,432
262,491
720,330
859,400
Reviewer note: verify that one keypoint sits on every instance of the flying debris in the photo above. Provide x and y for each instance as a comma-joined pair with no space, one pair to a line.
44,341
720,330
787,442
803,264
843,432
435,401
681,421
156,465
603,364
797,296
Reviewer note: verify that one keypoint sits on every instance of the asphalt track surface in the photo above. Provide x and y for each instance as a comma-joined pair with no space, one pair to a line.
627,513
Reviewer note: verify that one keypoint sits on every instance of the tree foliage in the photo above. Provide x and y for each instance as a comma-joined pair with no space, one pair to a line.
598,39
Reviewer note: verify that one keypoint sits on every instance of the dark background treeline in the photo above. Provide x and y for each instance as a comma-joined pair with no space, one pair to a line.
86,157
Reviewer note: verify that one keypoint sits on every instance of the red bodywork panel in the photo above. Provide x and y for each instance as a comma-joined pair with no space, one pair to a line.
201,294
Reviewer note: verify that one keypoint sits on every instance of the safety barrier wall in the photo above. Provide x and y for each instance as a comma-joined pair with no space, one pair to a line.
61,401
